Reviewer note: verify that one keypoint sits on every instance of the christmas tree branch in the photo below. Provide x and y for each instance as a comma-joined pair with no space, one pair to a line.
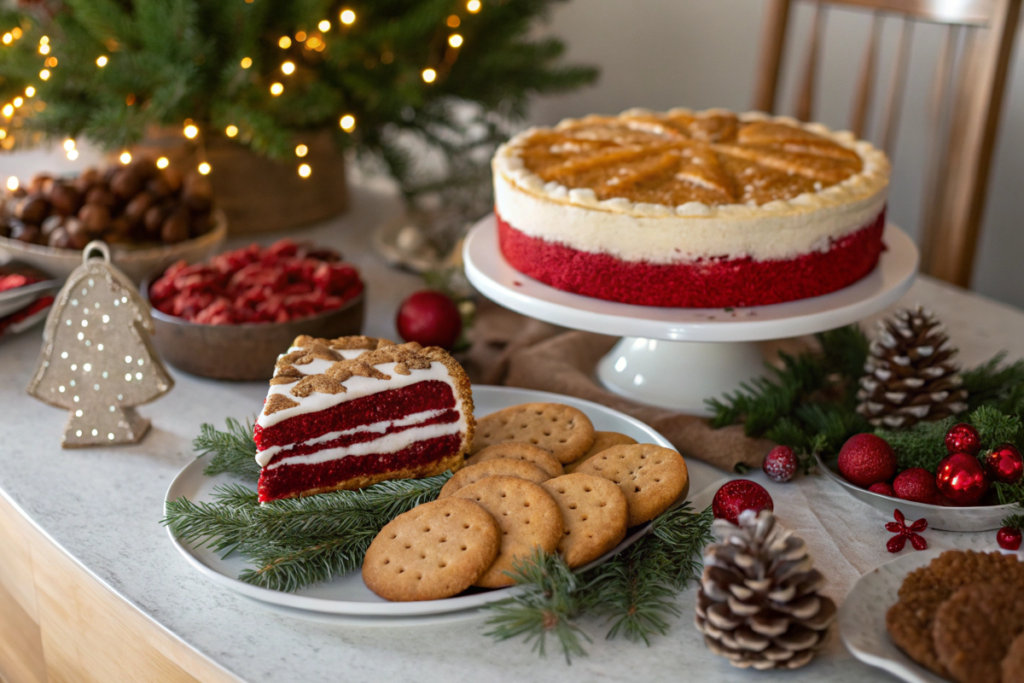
234,451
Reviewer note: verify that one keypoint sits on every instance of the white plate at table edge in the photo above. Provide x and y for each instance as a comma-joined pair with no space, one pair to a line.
190,480
862,617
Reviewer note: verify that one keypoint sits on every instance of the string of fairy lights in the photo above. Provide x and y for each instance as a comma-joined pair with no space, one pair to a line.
312,41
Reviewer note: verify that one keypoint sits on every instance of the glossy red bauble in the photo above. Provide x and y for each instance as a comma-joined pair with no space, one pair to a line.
430,318
883,488
1005,464
963,438
916,484
866,459
1008,538
736,496
780,463
961,478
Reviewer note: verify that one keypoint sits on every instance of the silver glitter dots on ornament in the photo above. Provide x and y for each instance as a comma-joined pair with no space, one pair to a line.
99,304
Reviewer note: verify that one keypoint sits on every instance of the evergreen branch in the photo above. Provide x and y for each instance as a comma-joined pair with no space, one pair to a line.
922,445
995,384
1009,494
994,427
1014,521
234,451
286,569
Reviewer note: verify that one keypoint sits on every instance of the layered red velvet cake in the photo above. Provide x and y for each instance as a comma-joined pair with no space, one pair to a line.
691,209
350,412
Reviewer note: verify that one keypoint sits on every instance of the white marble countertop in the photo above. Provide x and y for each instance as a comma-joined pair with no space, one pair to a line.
103,507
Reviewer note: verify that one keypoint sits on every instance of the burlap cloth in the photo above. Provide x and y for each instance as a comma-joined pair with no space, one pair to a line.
510,349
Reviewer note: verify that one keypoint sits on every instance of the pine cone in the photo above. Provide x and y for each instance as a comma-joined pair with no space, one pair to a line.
758,602
910,373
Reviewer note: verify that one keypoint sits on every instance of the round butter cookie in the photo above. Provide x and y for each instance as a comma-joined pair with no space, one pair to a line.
651,477
470,474
434,551
974,629
562,430
594,512
602,442
527,516
514,450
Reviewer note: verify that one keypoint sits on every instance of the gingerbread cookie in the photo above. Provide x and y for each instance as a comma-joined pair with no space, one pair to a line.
514,450
910,620
651,477
508,468
1013,662
562,430
527,516
594,512
436,550
975,627
602,442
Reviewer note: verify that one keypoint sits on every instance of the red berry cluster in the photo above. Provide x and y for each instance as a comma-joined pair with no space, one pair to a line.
282,282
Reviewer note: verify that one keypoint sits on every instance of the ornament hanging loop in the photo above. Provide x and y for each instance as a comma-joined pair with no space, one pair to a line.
96,245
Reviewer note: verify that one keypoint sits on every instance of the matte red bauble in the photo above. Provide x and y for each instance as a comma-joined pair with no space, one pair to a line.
916,484
736,496
866,459
429,318
963,438
883,488
1005,464
780,463
1008,538
961,478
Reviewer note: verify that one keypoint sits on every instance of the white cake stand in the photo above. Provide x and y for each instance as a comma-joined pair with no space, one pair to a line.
677,357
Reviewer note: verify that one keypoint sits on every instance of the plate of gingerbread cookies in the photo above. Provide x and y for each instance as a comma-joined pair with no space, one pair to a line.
546,471
934,616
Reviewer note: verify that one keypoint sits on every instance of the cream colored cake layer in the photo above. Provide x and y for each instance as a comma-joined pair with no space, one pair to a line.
656,233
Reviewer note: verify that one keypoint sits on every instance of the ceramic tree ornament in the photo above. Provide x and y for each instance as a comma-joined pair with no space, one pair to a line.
97,361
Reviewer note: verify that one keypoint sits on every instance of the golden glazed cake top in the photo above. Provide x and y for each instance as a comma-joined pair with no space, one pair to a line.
714,157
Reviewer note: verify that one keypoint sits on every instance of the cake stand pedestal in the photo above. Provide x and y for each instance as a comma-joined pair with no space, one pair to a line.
677,357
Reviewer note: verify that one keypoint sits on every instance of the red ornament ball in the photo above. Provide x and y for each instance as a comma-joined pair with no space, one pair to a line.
1005,464
866,459
963,438
883,488
430,318
961,478
736,496
780,463
916,484
1009,538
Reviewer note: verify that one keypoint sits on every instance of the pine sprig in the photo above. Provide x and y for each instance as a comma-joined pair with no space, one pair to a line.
1014,521
233,450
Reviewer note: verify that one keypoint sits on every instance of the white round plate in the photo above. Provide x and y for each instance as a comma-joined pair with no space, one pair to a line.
972,518
490,273
346,598
862,618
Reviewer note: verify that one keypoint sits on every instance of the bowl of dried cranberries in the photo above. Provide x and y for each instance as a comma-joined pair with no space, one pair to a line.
231,317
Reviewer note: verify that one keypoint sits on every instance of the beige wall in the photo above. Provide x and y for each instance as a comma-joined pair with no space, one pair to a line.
701,53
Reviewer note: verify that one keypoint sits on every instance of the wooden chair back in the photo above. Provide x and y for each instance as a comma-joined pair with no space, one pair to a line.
966,102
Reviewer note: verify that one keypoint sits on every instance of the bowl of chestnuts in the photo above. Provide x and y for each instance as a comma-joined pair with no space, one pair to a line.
150,217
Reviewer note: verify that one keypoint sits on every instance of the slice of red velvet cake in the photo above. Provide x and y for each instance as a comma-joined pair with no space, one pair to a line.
350,412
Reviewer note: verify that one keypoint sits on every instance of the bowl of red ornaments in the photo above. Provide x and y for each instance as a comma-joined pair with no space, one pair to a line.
150,217
230,318
953,483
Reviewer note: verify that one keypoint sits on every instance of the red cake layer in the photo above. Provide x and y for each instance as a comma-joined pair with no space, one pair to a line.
447,417
288,480
712,283
386,405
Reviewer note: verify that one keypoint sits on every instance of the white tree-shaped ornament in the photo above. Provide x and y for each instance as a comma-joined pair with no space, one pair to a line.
97,361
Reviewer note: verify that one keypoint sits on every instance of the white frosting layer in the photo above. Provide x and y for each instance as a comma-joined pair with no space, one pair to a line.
661,234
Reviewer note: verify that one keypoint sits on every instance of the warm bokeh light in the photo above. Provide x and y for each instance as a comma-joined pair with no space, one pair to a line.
163,162
129,99
205,168
44,40
44,74
455,40
12,183
348,17
324,26
8,110
72,154
301,151
51,61
429,75
246,62
126,158
30,91
18,101
3,133
348,123
231,131
305,170
8,39
473,6
191,131
284,43
288,68
314,43
16,32
454,21
69,144
101,61
44,49
276,89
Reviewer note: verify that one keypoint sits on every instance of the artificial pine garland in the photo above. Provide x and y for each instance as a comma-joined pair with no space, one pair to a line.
298,542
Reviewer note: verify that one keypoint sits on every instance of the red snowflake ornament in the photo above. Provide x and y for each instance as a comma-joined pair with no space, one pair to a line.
903,532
